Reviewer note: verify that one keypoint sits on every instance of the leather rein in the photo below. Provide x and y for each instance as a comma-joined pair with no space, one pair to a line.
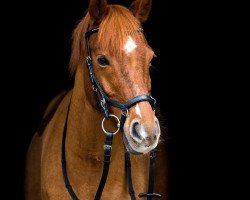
105,101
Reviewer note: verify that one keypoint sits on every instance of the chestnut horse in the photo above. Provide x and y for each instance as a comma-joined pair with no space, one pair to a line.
120,57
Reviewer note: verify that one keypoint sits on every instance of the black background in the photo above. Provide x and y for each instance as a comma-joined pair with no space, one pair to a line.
183,35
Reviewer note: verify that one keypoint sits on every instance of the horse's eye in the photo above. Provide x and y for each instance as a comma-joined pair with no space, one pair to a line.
102,60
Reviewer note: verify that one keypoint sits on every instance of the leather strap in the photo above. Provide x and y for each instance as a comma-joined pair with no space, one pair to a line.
107,155
150,194
129,179
63,160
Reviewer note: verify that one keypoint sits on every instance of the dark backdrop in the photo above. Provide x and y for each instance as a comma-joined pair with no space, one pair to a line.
37,38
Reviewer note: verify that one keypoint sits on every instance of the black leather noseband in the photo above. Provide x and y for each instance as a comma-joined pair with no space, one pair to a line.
104,102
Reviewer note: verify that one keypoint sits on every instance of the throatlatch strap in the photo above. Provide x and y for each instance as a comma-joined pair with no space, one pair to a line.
107,155
129,177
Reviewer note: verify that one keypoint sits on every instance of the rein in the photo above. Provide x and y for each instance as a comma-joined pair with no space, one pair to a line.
105,101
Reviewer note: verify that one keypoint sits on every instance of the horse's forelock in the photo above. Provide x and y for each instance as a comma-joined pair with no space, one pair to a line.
117,25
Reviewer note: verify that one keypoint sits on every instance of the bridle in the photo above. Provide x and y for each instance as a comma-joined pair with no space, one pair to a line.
105,101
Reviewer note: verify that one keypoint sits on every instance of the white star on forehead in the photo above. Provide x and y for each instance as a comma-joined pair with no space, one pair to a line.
130,45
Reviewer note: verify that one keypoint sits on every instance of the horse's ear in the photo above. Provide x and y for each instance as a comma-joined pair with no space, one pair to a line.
97,8
141,9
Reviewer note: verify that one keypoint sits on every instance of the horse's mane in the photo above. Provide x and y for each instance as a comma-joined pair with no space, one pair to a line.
118,23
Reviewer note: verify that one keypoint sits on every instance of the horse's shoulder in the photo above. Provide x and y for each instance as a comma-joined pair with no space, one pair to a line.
51,110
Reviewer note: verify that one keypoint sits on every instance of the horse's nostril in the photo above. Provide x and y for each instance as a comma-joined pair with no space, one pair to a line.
135,130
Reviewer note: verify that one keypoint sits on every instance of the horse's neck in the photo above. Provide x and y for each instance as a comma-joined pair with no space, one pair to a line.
83,121
85,140
85,137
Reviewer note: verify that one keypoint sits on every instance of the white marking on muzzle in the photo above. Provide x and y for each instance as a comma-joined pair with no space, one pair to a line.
143,133
137,110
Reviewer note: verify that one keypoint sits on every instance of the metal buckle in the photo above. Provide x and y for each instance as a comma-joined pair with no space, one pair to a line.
94,88
88,59
107,146
103,101
124,112
104,107
118,124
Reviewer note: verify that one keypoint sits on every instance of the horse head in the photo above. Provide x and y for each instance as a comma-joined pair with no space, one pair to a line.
121,59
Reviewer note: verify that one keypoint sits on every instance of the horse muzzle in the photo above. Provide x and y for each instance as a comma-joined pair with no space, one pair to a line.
141,138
